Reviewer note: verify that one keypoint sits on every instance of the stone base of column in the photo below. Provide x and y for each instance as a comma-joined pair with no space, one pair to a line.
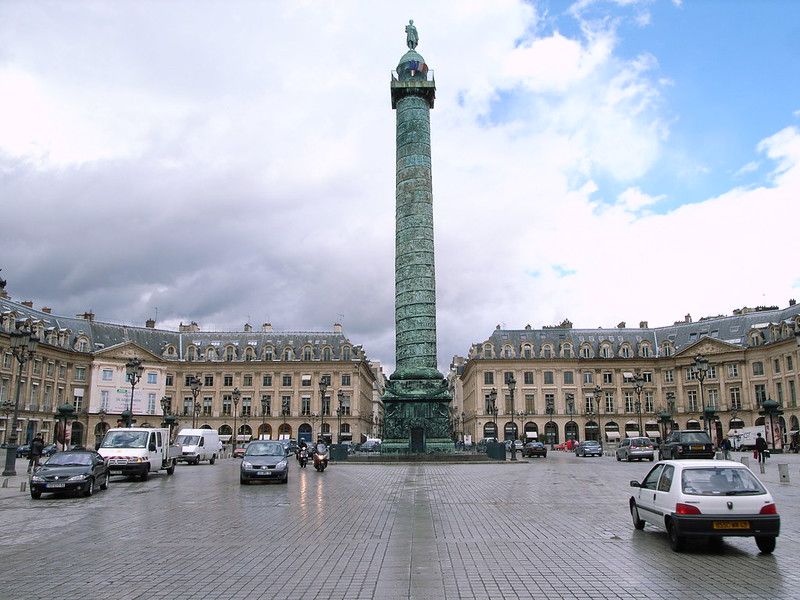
419,426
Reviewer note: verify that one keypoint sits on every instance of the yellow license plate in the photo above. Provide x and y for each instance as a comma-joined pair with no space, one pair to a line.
697,447
730,525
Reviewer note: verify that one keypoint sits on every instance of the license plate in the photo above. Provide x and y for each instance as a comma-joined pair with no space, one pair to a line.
267,473
730,525
112,472
56,485
697,448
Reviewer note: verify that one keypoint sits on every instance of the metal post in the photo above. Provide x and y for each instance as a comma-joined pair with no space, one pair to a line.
236,395
323,387
512,384
598,393
133,369
264,418
23,347
701,367
340,412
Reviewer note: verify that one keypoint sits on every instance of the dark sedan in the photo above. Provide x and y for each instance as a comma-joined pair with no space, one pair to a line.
589,448
72,471
534,449
687,444
264,460
24,451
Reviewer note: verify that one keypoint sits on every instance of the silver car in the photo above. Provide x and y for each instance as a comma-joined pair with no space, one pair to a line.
636,448
264,461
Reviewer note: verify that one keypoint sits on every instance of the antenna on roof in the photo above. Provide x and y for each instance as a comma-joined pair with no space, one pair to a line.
340,316
156,313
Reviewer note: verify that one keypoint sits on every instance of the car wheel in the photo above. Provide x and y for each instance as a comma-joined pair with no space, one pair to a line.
618,458
89,488
637,522
242,480
212,459
145,474
35,494
765,543
104,485
652,458
171,468
715,543
676,542
629,459
285,479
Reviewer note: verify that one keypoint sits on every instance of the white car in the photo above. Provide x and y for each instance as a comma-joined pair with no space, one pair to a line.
705,498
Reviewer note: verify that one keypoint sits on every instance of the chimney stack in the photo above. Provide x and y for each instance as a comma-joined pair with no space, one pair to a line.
47,310
642,324
87,316
687,318
266,327
621,325
792,302
150,323
28,303
337,328
248,328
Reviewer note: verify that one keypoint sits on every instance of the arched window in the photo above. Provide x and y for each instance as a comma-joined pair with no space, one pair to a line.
191,353
488,351
211,354
269,353
566,351
249,354
756,338
667,350
547,351
346,353
625,351
606,351
287,354
326,353
508,351
644,350
527,351
586,351
308,353
230,353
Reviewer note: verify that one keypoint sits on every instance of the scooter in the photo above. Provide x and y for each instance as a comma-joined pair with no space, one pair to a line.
320,457
302,457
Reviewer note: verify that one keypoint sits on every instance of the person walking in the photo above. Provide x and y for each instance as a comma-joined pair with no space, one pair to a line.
761,448
726,449
37,445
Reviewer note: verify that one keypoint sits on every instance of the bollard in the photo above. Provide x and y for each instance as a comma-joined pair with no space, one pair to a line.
5,483
23,486
761,467
783,472
745,460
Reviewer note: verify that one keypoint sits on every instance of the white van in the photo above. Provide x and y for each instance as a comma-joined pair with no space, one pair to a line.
199,444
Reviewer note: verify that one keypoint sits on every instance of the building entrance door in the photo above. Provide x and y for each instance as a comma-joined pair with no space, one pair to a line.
417,440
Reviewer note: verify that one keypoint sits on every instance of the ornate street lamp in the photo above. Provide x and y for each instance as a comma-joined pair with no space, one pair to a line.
133,371
323,388
550,409
7,407
512,384
285,412
638,386
770,408
493,410
23,347
463,429
195,384
570,409
236,395
339,413
701,369
598,397
263,416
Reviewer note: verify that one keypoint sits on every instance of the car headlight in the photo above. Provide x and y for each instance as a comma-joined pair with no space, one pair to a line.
37,479
281,465
80,477
247,465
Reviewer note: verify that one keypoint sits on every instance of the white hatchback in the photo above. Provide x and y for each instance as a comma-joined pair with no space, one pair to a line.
705,498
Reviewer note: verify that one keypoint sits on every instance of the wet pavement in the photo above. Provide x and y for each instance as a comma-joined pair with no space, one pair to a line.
545,528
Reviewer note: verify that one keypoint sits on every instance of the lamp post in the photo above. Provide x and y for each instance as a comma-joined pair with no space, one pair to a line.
323,387
236,395
195,384
133,371
339,413
638,386
23,347
285,412
598,397
550,409
169,418
263,416
701,371
512,384
7,407
463,428
570,410
493,411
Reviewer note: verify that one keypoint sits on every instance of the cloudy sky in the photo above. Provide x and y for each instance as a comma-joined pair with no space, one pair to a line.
225,162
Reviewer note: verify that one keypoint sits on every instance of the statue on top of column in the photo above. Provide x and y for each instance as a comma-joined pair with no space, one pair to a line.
412,39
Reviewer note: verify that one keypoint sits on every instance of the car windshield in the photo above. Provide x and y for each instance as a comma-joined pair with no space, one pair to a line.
693,437
265,449
720,481
125,439
591,443
641,442
73,459
321,448
187,440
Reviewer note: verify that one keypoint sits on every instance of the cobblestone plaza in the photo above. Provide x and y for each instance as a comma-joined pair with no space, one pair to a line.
552,528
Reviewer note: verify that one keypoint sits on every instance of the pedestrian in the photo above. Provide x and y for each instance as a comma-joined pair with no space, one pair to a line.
37,445
726,449
761,448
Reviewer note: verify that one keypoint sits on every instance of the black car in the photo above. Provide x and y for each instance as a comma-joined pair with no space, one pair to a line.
49,450
24,451
534,449
72,471
687,444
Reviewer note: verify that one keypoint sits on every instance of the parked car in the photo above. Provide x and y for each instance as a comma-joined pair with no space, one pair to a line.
371,446
264,460
24,451
534,449
49,450
703,498
561,446
239,451
636,448
71,471
589,448
516,443
687,444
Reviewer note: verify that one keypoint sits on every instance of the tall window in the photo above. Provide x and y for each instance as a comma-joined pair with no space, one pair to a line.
287,354
286,380
104,400
207,406
346,379
346,353
151,403
307,353
550,403
736,398
691,397
713,398
648,402
548,378
789,363
77,402
569,378
629,402
266,404
669,376
488,378
733,370
227,402
776,365
247,380
247,406
530,404
266,380
80,373
758,368
588,377
326,406
792,394
345,405
588,404
227,380
208,381
761,393
608,378
527,377
507,376
326,354
779,392
305,406
187,405
609,402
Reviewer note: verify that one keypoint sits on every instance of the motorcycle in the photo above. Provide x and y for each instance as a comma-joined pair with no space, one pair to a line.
320,457
302,457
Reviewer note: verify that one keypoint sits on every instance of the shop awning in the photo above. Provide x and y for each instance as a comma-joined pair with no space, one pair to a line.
653,433
631,434
532,435
225,438
612,435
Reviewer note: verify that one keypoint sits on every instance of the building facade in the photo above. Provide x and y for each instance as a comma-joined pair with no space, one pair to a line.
262,383
582,383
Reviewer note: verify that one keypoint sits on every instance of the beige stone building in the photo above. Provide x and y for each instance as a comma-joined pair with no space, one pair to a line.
581,383
260,382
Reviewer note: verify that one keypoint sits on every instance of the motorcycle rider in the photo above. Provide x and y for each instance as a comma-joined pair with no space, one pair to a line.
302,453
